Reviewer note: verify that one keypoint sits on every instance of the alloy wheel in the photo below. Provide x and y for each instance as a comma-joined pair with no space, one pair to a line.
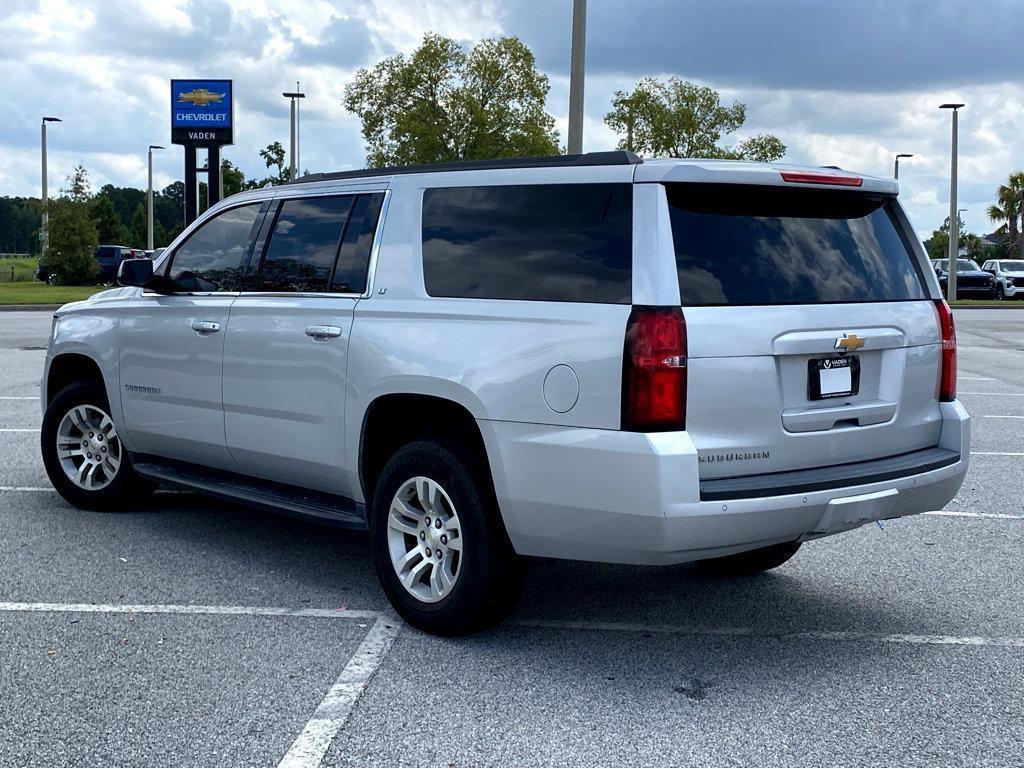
88,448
425,539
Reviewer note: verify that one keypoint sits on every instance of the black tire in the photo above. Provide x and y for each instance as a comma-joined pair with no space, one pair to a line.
124,489
1000,294
490,577
750,562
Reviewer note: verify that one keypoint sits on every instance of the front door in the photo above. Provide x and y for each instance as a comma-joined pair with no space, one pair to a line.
172,345
286,348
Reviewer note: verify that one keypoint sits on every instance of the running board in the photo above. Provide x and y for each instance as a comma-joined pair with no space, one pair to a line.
280,497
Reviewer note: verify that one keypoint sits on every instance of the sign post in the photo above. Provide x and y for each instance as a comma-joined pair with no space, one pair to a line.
202,115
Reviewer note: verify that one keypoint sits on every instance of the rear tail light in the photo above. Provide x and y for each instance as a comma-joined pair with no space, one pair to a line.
654,370
821,177
947,380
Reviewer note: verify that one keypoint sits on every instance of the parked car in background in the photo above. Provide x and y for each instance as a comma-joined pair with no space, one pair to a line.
1009,275
109,259
971,281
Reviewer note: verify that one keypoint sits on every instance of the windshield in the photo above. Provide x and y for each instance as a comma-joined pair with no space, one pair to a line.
966,265
767,245
1017,266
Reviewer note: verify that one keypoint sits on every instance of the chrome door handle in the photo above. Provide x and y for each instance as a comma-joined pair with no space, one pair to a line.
205,326
323,332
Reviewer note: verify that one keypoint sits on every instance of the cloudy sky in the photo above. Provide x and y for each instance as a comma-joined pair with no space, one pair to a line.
846,83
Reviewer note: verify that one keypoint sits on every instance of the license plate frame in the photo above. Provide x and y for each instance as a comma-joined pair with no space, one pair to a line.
834,364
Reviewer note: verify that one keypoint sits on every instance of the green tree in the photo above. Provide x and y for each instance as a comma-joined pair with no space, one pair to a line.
109,228
442,103
1009,209
273,155
234,179
138,228
79,188
72,241
680,119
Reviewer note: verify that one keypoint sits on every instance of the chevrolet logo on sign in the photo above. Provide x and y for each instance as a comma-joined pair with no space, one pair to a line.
201,97
849,342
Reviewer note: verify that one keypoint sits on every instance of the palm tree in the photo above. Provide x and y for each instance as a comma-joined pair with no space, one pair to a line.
1009,208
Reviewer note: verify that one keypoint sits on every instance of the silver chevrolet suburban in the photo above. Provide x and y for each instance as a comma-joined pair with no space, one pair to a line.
586,357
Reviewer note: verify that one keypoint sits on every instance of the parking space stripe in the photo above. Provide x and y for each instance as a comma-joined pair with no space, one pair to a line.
782,635
19,397
997,453
26,488
19,429
333,711
258,611
957,514
1001,416
1013,395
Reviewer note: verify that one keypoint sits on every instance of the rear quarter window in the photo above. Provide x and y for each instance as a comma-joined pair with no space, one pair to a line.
551,242
767,245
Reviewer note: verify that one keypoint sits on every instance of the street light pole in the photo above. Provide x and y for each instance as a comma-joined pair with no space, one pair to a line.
293,160
896,167
44,234
576,76
954,224
149,199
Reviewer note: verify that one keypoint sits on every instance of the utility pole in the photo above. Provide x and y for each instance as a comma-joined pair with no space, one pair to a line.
896,167
44,234
954,223
576,76
149,199
293,160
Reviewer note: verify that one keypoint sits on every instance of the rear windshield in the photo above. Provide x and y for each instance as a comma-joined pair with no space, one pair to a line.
764,245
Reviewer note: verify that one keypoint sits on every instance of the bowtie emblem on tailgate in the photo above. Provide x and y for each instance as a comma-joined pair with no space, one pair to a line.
849,342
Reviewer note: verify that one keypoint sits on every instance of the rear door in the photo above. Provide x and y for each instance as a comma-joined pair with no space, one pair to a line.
286,348
812,337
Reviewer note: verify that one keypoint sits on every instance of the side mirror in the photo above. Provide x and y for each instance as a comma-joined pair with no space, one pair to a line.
135,272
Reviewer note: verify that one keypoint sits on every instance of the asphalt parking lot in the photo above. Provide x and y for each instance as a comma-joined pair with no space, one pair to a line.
195,632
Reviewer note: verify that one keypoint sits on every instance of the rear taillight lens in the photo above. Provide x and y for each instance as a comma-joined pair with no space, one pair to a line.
947,380
654,370
821,177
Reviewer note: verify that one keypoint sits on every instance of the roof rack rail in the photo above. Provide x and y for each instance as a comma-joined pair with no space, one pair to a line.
611,158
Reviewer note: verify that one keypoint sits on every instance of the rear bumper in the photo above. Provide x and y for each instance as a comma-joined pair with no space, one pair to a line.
604,495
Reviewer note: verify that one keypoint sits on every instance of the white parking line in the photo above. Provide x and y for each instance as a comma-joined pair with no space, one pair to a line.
19,397
997,453
1001,416
957,514
976,378
19,429
333,711
1014,395
26,488
141,608
785,635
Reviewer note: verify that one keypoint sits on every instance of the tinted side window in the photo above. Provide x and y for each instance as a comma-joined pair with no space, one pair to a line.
550,242
768,245
304,244
354,257
212,257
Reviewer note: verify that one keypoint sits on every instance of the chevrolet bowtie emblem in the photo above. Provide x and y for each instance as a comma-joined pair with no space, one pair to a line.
201,97
848,342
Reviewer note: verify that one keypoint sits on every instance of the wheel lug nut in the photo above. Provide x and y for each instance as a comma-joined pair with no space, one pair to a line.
439,555
103,449
423,535
427,520
444,539
92,435
437,523
428,552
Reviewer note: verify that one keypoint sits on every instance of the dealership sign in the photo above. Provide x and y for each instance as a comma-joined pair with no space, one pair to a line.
202,112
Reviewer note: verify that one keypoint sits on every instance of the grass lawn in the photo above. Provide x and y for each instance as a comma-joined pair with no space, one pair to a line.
40,293
24,268
995,304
